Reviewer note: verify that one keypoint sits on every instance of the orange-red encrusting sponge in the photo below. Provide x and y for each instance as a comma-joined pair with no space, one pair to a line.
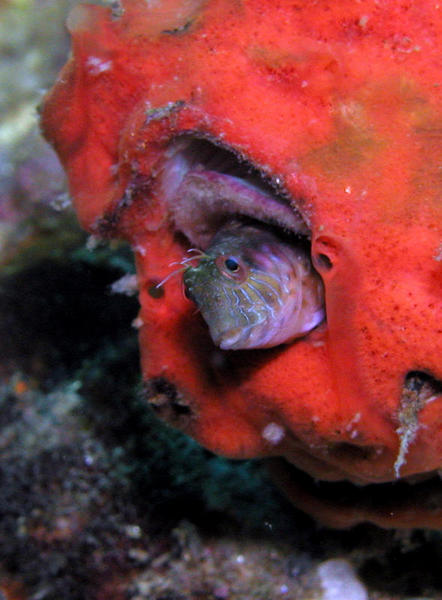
339,105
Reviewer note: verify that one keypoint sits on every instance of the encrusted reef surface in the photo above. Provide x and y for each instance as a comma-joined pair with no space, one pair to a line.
99,500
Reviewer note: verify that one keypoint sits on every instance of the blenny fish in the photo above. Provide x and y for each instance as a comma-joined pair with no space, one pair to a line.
254,289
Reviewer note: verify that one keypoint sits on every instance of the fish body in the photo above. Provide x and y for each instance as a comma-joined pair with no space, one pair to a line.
254,289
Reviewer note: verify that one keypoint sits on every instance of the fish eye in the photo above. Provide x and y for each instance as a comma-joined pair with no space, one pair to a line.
231,267
231,264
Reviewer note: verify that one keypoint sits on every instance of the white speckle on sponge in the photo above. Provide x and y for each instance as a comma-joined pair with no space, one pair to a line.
273,433
128,285
137,323
97,65
338,581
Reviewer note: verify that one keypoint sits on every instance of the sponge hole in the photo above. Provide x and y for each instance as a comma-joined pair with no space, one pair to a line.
322,262
325,252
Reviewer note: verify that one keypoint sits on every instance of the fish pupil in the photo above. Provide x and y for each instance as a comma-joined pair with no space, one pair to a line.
231,264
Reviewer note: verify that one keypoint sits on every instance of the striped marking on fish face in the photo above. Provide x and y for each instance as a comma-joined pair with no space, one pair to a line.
229,306
249,288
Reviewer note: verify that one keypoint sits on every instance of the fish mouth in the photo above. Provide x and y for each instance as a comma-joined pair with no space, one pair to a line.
228,338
